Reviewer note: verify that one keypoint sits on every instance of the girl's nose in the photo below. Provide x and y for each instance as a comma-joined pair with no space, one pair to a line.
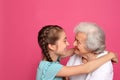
67,43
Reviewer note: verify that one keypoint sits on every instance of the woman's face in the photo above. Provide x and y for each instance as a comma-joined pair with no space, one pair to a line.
80,43
61,44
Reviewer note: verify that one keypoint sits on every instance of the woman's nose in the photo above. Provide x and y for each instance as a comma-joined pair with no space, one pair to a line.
74,43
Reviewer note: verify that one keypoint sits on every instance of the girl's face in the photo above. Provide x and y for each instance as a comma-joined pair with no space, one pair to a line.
61,44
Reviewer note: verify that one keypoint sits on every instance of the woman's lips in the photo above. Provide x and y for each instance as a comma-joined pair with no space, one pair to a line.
76,48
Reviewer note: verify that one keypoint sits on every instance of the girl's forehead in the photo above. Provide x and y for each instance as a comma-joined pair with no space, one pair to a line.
62,35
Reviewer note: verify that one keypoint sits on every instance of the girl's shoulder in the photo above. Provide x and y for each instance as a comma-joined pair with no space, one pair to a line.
46,64
48,70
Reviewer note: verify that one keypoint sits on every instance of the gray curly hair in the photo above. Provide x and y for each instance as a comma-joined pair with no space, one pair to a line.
95,36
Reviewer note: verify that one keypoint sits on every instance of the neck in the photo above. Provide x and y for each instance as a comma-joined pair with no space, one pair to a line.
54,56
88,57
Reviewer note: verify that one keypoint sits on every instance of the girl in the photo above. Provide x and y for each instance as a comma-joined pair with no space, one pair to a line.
53,42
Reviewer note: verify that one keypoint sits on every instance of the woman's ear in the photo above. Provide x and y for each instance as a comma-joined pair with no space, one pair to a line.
52,47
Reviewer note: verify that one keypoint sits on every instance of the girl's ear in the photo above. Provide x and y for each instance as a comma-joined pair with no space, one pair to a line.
52,47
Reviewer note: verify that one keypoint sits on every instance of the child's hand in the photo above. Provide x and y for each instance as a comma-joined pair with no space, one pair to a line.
115,57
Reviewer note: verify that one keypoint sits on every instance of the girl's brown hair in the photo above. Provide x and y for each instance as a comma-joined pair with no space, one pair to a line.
49,34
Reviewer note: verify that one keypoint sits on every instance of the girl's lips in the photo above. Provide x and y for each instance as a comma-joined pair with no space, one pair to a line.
65,49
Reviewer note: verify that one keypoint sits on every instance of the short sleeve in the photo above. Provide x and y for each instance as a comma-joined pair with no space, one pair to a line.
48,70
53,69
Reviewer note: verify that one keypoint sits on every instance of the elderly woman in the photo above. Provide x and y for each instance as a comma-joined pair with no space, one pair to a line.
90,44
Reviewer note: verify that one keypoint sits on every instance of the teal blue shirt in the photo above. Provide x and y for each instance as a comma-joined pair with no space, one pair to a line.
48,70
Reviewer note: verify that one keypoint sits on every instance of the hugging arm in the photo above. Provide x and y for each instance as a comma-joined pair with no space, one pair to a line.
85,68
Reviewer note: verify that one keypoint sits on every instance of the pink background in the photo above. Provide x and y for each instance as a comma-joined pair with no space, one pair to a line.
22,19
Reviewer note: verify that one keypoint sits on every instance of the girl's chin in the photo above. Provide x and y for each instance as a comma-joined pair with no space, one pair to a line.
64,52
